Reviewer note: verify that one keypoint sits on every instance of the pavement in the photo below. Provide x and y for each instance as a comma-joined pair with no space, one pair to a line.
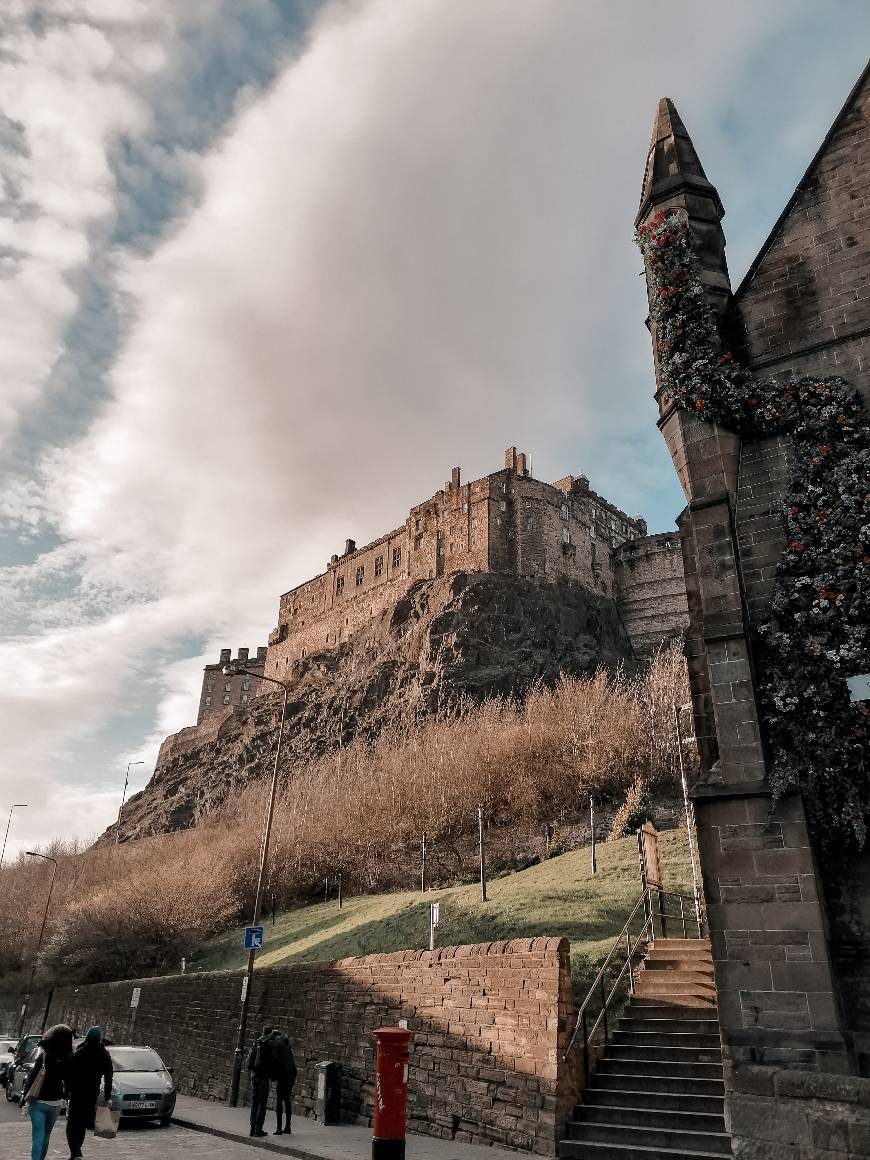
311,1140
202,1130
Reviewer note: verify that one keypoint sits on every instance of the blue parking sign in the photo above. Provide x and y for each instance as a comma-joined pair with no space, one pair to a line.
253,938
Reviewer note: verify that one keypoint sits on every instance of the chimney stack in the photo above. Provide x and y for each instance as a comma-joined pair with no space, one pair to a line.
226,653
521,463
510,458
349,547
243,656
454,478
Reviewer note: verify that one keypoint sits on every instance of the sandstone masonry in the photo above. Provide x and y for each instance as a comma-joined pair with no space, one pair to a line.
489,1026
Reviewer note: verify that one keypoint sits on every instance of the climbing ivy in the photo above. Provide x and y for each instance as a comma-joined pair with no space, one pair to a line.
818,632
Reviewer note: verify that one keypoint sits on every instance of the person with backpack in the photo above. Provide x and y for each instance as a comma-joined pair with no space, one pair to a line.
46,1087
285,1078
261,1068
89,1069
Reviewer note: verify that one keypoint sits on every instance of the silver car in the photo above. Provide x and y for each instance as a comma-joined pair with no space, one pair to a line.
7,1054
142,1086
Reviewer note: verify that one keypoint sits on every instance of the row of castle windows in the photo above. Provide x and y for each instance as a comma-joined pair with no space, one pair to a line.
228,685
226,700
361,570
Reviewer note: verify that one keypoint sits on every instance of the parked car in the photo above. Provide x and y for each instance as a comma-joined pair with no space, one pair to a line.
21,1067
7,1054
142,1088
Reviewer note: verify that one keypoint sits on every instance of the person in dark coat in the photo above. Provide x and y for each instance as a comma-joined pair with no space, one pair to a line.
285,1078
261,1067
48,1082
89,1069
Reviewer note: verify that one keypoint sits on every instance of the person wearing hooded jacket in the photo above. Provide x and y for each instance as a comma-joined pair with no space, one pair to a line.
89,1069
48,1082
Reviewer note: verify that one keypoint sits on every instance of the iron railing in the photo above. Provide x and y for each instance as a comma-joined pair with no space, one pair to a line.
658,912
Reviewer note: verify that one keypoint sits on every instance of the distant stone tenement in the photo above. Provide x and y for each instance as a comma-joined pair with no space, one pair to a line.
222,692
506,522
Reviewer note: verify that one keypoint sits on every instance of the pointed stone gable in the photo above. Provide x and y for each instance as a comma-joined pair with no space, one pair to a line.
805,302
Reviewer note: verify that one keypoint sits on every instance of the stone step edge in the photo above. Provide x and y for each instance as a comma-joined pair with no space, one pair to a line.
646,1112
657,1152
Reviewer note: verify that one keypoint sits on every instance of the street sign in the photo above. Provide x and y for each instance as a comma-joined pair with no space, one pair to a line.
436,913
253,938
859,687
244,988
134,998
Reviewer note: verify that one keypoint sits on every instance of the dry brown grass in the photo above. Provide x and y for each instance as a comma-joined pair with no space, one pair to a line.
119,911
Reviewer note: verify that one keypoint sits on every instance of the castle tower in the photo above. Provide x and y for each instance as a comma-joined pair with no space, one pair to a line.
775,989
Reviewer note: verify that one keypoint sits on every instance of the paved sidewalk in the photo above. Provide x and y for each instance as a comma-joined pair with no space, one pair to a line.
312,1141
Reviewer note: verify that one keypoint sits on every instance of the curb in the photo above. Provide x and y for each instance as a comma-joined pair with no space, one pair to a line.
250,1141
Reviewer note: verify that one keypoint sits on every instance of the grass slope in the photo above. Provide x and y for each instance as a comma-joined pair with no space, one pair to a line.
558,897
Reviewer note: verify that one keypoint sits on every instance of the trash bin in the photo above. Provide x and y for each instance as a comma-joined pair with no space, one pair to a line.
327,1098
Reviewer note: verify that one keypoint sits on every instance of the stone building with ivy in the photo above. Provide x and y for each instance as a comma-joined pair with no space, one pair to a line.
762,395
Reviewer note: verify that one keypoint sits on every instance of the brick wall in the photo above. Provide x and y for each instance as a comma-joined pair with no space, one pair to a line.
489,1023
650,588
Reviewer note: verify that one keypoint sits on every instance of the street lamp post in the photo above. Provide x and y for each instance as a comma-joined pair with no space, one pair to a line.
690,814
17,806
261,878
124,798
26,1003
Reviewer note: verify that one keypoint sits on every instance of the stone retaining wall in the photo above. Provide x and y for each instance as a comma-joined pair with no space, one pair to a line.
489,1025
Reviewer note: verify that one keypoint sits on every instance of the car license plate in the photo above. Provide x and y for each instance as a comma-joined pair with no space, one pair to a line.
141,1105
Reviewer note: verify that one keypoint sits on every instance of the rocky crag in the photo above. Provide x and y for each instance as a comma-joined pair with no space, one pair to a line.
464,636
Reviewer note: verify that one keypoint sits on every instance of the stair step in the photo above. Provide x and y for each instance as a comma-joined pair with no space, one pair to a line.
655,1050
669,1068
650,1117
696,966
588,1150
663,1138
641,1082
654,975
681,944
632,1025
676,989
651,1101
642,1007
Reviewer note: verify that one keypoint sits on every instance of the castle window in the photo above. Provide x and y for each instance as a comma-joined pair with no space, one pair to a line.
244,698
452,549
528,503
473,522
564,511
465,506
228,686
207,702
339,585
592,531
418,541
566,535
530,522
379,565
226,700
498,521
246,685
502,506
360,575
397,557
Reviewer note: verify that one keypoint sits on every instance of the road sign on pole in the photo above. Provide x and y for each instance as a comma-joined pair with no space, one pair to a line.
434,919
134,998
253,938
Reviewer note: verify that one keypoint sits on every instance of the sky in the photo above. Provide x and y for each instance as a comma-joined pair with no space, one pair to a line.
269,270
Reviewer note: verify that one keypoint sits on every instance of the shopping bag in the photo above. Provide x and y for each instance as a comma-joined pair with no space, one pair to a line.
106,1122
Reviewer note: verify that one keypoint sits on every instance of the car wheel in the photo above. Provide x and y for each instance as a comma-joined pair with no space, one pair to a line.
165,1121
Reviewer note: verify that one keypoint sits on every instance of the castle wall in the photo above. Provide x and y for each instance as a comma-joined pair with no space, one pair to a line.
650,590
223,692
505,522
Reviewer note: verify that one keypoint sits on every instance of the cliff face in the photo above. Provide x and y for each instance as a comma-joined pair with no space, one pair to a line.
466,635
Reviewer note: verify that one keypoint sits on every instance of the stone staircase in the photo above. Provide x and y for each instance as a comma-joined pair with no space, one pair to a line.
658,1091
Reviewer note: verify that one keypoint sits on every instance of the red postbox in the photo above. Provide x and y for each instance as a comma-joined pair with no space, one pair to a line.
390,1113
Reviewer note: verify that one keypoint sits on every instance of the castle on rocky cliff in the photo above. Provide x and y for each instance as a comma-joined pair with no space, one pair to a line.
507,522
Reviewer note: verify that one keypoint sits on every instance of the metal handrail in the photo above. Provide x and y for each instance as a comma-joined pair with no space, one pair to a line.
632,950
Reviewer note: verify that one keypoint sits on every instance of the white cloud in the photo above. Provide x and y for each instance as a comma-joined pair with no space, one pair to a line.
414,250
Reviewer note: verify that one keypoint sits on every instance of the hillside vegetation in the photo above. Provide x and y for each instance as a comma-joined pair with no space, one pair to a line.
560,896
139,907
